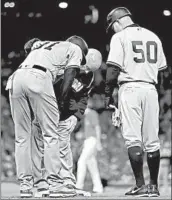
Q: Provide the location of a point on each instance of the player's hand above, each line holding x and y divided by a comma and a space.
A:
116, 117
107, 102
73, 105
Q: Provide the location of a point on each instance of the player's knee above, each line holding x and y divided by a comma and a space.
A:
152, 147
136, 153
130, 144
152, 155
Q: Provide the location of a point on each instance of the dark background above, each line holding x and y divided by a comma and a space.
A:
57, 24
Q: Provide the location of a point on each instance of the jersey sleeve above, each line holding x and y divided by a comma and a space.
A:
116, 53
75, 57
162, 63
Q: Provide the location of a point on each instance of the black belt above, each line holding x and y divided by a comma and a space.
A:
40, 68
123, 82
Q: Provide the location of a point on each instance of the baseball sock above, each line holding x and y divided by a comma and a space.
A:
136, 159
153, 160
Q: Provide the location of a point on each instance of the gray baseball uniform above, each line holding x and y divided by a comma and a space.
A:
139, 54
32, 97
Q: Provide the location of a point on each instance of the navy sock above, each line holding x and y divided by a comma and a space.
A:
153, 160
136, 159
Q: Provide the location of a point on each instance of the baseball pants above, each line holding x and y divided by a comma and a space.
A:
64, 131
32, 96
139, 108
88, 160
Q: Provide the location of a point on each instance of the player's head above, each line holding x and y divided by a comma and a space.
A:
81, 43
118, 18
93, 59
29, 44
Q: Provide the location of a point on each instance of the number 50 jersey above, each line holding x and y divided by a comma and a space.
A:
139, 54
55, 56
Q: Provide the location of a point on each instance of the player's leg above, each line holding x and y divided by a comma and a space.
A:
65, 129
150, 131
21, 115
43, 102
131, 113
39, 173
94, 170
87, 151
37, 151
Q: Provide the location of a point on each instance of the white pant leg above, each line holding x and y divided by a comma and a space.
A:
65, 129
131, 114
150, 127
95, 175
87, 152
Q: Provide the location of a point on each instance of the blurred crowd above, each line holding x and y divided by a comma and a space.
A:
113, 160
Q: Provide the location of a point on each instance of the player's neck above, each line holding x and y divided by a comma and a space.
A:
126, 21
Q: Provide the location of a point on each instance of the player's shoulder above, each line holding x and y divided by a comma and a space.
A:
151, 34
116, 38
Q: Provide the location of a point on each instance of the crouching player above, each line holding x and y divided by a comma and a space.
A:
71, 113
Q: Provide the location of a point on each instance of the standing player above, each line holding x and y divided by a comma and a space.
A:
92, 143
136, 55
32, 96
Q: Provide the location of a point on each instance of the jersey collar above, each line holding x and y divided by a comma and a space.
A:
132, 25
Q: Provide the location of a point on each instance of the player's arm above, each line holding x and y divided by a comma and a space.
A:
114, 66
111, 81
82, 105
162, 62
71, 71
162, 66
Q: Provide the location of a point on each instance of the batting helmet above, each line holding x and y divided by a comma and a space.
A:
93, 59
82, 44
116, 14
29, 44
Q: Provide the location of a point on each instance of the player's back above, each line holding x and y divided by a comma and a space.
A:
143, 54
52, 55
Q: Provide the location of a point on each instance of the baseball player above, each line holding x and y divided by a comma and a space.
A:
136, 55
32, 97
71, 114
92, 144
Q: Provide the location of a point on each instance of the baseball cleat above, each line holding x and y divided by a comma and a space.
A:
26, 193
138, 191
42, 193
153, 191
63, 191
81, 192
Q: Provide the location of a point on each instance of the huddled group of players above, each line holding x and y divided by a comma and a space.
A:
48, 96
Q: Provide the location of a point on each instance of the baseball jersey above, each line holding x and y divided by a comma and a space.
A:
91, 120
55, 56
139, 54
79, 95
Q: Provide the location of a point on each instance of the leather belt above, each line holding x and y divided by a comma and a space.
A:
40, 68
123, 82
